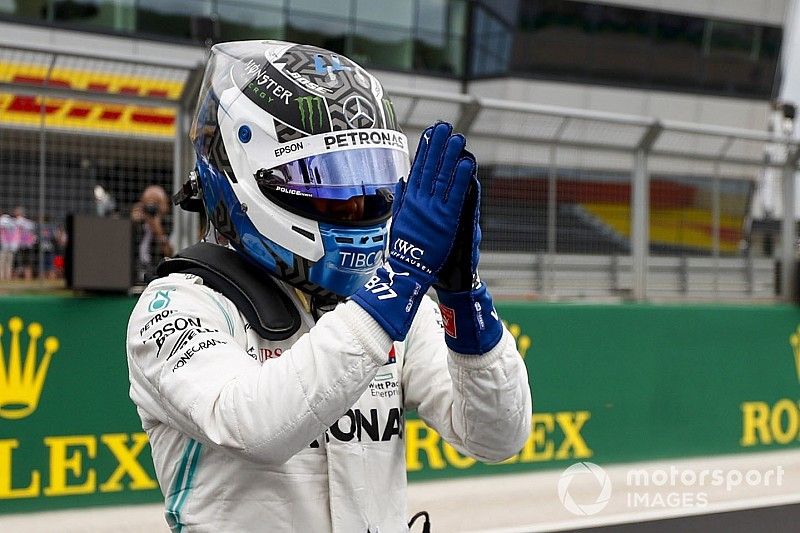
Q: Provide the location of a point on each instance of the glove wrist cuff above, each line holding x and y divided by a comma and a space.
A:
458, 283
392, 299
471, 324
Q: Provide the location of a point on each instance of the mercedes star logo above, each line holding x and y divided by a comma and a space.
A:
358, 112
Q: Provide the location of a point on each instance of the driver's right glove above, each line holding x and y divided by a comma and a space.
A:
425, 217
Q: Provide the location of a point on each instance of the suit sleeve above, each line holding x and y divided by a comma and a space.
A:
479, 404
195, 375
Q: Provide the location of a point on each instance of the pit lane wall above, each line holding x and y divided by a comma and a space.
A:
611, 383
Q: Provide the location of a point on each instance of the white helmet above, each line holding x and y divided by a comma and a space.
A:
298, 152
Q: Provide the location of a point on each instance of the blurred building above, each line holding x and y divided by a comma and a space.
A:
703, 61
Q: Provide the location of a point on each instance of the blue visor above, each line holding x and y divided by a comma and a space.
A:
351, 187
337, 175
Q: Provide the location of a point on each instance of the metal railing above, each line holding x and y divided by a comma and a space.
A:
552, 148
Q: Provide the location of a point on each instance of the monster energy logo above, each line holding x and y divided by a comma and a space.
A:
391, 119
306, 105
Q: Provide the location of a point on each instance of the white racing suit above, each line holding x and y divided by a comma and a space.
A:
305, 434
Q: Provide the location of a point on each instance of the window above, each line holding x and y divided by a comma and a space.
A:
571, 40
432, 16
323, 31
491, 40
30, 9
437, 53
382, 46
440, 36
117, 15
582, 41
382, 35
396, 13
677, 50
554, 38
251, 19
621, 43
172, 18
731, 39
338, 9
729, 63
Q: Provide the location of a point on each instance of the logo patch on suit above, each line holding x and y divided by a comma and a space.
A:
449, 320
392, 357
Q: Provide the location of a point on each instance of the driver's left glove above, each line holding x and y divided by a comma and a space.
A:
471, 323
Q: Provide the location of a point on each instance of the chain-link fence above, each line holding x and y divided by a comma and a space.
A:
575, 203
79, 135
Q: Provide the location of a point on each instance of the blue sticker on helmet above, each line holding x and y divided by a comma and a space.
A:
245, 134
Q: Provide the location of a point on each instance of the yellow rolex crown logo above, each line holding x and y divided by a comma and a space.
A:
21, 382
794, 340
524, 342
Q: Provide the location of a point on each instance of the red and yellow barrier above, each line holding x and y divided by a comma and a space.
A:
25, 109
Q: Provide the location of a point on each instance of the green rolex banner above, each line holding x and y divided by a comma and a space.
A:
611, 382
69, 434
621, 383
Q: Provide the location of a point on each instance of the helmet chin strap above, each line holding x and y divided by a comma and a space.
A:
321, 305
188, 196
304, 299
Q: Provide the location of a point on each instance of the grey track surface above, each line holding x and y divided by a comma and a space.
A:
781, 518
529, 502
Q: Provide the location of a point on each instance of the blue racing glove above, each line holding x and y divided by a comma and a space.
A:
422, 231
471, 324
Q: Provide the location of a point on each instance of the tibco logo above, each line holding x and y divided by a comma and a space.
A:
360, 259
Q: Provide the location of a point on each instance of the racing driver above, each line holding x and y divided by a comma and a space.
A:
273, 364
